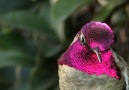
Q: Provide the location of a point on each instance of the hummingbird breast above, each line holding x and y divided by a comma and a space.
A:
72, 79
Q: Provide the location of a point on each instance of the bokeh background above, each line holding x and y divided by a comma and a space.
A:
34, 33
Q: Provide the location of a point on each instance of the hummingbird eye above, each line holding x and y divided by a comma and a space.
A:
82, 39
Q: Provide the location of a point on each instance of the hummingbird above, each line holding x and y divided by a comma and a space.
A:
89, 63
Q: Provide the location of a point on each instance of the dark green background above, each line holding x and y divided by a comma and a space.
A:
34, 33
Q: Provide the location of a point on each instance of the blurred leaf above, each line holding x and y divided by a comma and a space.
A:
63, 8
113, 2
107, 9
14, 57
102, 2
15, 50
102, 15
42, 80
5, 29
119, 17
6, 77
44, 11
11, 40
21, 78
123, 36
51, 50
28, 21
127, 9
15, 41
9, 5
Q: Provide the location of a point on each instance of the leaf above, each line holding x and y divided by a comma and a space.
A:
107, 9
51, 49
9, 5
5, 29
102, 15
119, 17
14, 57
15, 50
28, 21
63, 8
42, 80
16, 41
44, 11
6, 77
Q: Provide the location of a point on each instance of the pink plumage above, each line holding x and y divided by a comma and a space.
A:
84, 59
90, 54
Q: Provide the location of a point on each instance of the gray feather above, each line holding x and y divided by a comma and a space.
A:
72, 79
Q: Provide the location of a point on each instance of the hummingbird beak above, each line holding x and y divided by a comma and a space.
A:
97, 52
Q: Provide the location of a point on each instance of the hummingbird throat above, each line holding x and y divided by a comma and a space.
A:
89, 63
85, 60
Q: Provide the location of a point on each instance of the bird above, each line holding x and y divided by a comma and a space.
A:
89, 63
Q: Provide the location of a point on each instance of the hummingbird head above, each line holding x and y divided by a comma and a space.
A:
98, 36
90, 51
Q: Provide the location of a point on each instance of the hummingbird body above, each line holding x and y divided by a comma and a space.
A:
72, 79
90, 64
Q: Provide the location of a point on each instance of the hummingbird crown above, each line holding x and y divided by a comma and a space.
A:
98, 35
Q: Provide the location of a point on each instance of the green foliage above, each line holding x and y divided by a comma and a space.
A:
67, 8
34, 33
7, 6
13, 57
27, 21
107, 9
